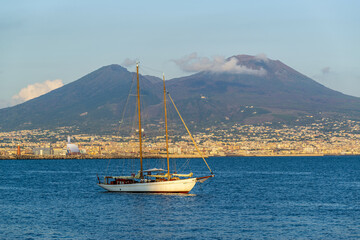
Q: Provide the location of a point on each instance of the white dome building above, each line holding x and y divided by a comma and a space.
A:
72, 149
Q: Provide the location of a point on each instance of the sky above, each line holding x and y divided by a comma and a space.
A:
45, 44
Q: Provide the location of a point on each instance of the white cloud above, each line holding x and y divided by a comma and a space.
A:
129, 62
262, 56
194, 63
36, 90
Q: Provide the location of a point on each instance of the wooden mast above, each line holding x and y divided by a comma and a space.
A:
140, 130
166, 132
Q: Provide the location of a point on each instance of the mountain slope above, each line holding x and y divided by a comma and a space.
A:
267, 91
281, 90
94, 100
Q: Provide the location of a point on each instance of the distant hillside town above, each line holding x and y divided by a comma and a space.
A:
318, 138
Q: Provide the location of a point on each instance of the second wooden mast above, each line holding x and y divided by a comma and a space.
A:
140, 129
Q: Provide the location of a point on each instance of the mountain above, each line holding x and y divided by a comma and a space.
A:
95, 101
280, 93
262, 90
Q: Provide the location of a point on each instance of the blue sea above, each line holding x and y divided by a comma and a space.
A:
249, 198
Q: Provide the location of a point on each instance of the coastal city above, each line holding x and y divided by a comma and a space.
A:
321, 137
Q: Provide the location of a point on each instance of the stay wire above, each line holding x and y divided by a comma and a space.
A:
126, 103
149, 68
122, 118
156, 84
190, 134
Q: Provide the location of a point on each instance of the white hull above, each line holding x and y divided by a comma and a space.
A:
176, 186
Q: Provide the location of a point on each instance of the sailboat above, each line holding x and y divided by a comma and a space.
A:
155, 180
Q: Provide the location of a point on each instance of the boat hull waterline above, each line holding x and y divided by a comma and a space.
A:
176, 186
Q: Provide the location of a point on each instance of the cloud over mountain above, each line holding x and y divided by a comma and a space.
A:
36, 90
217, 64
129, 62
262, 56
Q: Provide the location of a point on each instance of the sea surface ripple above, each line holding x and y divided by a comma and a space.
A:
249, 198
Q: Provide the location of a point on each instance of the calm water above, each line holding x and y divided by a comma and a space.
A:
250, 198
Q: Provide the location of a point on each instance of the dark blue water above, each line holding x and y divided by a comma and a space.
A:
250, 198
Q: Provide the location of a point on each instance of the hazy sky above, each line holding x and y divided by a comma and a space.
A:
45, 43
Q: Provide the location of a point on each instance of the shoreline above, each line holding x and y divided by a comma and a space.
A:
85, 157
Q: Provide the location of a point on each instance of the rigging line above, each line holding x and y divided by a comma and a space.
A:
174, 164
171, 122
126, 103
134, 121
123, 113
157, 84
186, 163
189, 133
149, 68
107, 167
123, 166
148, 163
132, 165
144, 116
134, 116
